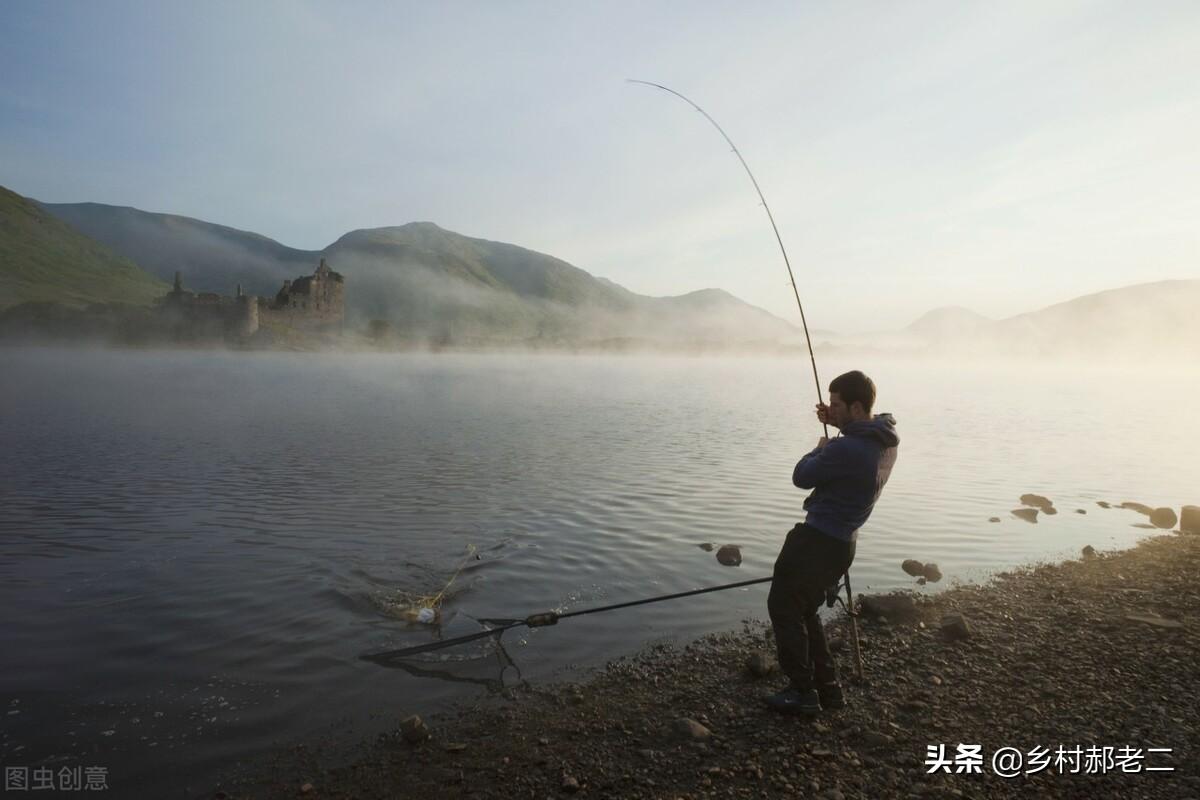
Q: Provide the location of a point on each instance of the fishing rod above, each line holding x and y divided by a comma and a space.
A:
787, 262
803, 321
541, 620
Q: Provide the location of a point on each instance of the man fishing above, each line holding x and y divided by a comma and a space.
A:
846, 476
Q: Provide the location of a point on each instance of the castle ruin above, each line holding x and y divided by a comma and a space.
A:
312, 303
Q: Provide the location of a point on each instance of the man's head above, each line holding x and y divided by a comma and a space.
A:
851, 397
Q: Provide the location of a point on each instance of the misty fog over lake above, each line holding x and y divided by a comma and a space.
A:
196, 547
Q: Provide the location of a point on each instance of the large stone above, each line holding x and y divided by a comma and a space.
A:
1141, 508
896, 607
1037, 501
413, 729
1089, 551
1189, 519
932, 573
729, 555
686, 728
1163, 518
760, 664
955, 627
913, 567
1027, 514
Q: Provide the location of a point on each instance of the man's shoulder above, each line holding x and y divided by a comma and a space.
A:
858, 449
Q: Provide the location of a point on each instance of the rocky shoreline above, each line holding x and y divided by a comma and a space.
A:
1099, 654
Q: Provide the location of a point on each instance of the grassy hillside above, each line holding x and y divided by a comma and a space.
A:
212, 258
479, 262
43, 259
429, 280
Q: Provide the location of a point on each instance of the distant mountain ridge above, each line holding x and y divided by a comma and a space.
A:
948, 321
213, 258
427, 282
1148, 320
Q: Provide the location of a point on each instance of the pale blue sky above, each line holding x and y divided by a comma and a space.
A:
1001, 156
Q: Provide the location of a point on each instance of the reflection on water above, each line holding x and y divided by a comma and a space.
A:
194, 547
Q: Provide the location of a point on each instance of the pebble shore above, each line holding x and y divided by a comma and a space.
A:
1100, 652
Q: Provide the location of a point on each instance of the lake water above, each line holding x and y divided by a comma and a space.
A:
196, 547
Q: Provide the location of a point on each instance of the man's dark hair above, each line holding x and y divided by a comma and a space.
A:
854, 386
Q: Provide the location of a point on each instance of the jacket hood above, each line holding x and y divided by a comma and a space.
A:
881, 428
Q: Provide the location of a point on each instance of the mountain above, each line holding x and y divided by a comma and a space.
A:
1145, 322
212, 258
948, 322
431, 283
43, 259
1148, 320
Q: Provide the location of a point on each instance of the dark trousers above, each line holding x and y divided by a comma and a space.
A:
809, 563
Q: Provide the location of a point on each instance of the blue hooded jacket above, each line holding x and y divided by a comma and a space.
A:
847, 475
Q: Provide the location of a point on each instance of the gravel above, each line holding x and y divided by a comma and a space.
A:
1069, 654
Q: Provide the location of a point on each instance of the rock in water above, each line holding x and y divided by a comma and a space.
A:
1141, 508
1081, 511
1189, 519
1089, 552
1037, 501
1163, 518
1027, 514
955, 627
707, 547
932, 573
993, 519
1103, 504
729, 555
913, 567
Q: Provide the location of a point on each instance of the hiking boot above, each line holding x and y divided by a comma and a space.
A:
831, 696
795, 701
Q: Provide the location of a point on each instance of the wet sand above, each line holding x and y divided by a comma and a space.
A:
1101, 652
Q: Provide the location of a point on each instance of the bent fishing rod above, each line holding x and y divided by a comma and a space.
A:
803, 320
551, 617
787, 262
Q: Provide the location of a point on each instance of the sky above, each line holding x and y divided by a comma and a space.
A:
997, 156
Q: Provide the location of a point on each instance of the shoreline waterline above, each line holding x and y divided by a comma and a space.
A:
1095, 653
